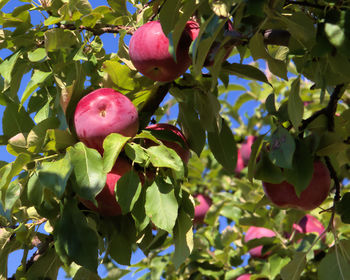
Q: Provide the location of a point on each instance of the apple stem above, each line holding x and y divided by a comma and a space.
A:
152, 104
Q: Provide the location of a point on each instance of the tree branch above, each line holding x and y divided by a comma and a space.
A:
99, 29
152, 104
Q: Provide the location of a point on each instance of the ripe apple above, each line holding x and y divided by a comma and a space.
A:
106, 201
240, 163
256, 233
101, 112
246, 149
283, 194
244, 277
309, 224
183, 152
193, 29
202, 208
149, 52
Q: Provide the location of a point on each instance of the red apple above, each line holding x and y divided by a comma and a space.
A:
309, 224
106, 201
246, 149
240, 163
244, 277
256, 233
102, 112
283, 194
149, 52
183, 152
202, 208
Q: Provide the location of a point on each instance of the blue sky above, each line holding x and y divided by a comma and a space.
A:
111, 46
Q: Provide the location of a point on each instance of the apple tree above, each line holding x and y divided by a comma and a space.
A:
210, 193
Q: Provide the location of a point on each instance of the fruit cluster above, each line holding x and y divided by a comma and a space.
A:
105, 111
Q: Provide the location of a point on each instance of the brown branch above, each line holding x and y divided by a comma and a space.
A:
335, 178
152, 104
99, 29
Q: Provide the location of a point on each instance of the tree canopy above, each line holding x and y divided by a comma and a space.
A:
290, 60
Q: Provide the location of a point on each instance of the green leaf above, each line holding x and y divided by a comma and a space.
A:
12, 169
46, 266
136, 153
7, 245
276, 263
74, 238
84, 274
270, 104
336, 264
57, 140
192, 128
161, 204
282, 148
37, 78
223, 146
38, 55
6, 67
12, 194
162, 156
57, 38
266, 171
169, 14
112, 146
335, 33
300, 174
36, 136
183, 238
88, 171
120, 74
119, 7
295, 267
16, 120
295, 104
139, 212
253, 156
128, 190
245, 71
123, 237
343, 208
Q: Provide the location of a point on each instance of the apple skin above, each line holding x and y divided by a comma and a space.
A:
183, 152
101, 112
202, 208
256, 233
148, 50
240, 163
244, 277
246, 149
106, 201
283, 195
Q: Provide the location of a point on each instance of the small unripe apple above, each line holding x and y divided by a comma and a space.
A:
106, 201
102, 112
256, 233
202, 208
182, 151
246, 149
149, 52
284, 195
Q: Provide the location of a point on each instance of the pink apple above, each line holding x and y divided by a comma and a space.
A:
244, 277
106, 201
256, 233
284, 195
182, 151
202, 208
149, 52
240, 163
102, 112
246, 149
309, 224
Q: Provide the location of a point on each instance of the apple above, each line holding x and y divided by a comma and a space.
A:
193, 29
284, 195
309, 224
246, 149
106, 201
256, 233
244, 277
201, 209
240, 163
182, 151
149, 52
101, 112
